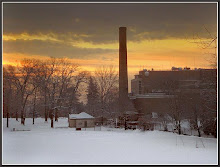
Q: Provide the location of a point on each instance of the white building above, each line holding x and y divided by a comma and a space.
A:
81, 120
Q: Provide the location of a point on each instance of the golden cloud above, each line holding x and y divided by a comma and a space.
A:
28, 37
60, 38
157, 54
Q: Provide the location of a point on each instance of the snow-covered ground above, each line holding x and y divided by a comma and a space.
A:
40, 144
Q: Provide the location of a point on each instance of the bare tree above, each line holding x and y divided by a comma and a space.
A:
194, 110
176, 110
34, 104
77, 84
107, 80
209, 79
22, 77
112, 103
175, 102
92, 96
164, 119
62, 86
48, 68
35, 83
7, 93
209, 45
55, 82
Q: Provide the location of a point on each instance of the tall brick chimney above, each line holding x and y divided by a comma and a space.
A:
123, 74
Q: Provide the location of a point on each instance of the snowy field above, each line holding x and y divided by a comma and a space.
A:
40, 144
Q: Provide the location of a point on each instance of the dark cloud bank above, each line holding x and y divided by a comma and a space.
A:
103, 20
101, 23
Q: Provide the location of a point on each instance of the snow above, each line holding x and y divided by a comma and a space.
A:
131, 112
63, 145
80, 116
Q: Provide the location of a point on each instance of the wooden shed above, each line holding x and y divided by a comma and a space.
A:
81, 120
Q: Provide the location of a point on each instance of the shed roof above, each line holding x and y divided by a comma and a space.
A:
131, 112
81, 115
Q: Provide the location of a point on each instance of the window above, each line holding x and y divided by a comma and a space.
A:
139, 87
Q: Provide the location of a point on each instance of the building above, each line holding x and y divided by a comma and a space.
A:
152, 90
157, 81
177, 90
81, 120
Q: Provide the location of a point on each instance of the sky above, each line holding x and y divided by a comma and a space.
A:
159, 35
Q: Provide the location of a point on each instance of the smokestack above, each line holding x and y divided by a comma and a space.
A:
123, 74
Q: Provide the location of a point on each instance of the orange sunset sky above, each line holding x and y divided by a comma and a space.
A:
159, 35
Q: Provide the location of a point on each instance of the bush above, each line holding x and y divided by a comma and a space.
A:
210, 127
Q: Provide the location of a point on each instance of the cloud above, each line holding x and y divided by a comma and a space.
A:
77, 20
75, 40
44, 36
27, 37
86, 32
101, 21
54, 49
68, 47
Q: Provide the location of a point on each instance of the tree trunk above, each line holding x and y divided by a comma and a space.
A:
56, 115
102, 116
33, 116
52, 122
22, 121
24, 116
51, 117
34, 106
179, 128
22, 111
7, 117
199, 133
45, 114
16, 115
45, 103
165, 128
125, 123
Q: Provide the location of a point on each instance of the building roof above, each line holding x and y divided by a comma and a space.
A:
131, 112
81, 115
150, 95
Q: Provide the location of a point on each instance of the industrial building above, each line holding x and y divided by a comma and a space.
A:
151, 90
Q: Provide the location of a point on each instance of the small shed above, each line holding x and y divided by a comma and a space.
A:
81, 120
131, 115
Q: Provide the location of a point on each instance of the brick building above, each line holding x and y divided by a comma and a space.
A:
150, 90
